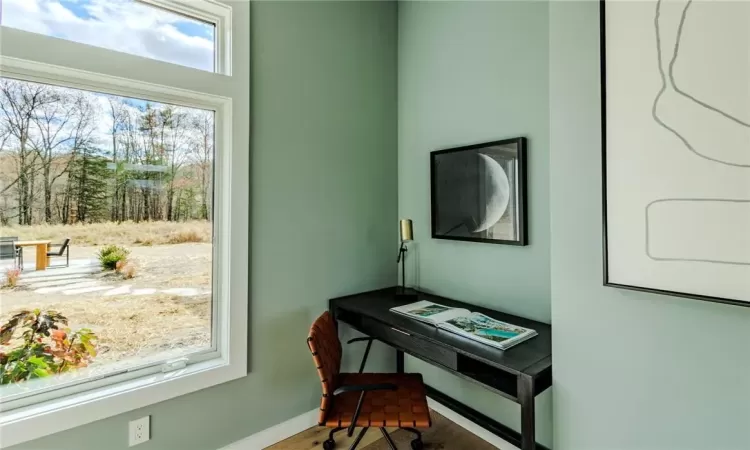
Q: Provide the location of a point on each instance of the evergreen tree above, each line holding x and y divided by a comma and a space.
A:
89, 180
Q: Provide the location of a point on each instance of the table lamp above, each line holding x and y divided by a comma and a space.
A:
406, 233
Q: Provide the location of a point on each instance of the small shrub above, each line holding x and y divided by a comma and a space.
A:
129, 271
45, 346
126, 268
184, 236
11, 277
110, 255
146, 242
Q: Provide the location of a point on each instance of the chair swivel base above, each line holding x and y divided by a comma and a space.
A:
416, 444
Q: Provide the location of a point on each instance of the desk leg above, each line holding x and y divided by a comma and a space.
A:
526, 398
399, 361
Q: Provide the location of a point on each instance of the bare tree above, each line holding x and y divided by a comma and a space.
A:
53, 133
5, 137
19, 104
176, 155
117, 114
53, 162
203, 149
131, 144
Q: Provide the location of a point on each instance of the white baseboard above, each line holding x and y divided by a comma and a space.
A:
296, 425
470, 426
276, 433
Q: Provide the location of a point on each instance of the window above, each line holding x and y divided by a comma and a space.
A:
129, 182
138, 27
123, 216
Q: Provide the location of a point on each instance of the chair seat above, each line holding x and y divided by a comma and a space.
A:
405, 407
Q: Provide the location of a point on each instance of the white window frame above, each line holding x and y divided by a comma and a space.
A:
101, 398
218, 14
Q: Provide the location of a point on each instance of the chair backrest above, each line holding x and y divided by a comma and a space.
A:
63, 246
7, 247
325, 346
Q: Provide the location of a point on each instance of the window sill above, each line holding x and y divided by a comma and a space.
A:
32, 422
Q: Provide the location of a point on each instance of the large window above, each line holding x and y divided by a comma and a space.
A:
123, 216
126, 185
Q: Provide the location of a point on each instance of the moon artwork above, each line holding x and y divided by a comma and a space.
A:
478, 193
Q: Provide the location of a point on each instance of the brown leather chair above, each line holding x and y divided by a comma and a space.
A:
364, 399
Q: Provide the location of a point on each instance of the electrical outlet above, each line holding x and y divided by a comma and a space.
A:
139, 431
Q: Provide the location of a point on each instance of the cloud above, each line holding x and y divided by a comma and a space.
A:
122, 25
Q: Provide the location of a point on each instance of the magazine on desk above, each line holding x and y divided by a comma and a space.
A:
463, 322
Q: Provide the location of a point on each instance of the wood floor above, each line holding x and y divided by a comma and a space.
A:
444, 435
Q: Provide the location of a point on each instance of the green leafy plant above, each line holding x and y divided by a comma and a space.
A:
110, 255
37, 344
11, 276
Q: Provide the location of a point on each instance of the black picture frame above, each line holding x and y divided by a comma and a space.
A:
605, 246
521, 188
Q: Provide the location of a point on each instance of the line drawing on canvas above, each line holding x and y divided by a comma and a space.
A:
664, 86
683, 18
667, 79
695, 201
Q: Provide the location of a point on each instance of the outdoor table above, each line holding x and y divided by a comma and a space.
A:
41, 252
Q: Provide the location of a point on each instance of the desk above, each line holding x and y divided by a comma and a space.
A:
42, 261
519, 373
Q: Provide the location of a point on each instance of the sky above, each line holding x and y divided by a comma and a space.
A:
123, 25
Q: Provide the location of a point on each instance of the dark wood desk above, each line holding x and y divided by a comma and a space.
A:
519, 373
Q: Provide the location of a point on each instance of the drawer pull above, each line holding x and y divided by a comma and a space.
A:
399, 331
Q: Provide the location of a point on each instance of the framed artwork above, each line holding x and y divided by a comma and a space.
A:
479, 192
676, 147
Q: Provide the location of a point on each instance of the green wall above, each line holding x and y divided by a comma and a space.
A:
632, 371
471, 72
628, 373
323, 179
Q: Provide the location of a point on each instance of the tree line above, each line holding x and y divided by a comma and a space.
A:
71, 156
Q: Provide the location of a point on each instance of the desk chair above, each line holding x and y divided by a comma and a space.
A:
364, 399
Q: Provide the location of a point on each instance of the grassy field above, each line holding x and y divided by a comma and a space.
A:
125, 233
134, 327
129, 326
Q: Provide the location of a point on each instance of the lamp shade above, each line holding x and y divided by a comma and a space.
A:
406, 230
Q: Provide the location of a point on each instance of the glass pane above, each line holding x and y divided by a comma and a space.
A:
123, 25
105, 220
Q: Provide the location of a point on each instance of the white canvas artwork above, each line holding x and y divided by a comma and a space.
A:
676, 109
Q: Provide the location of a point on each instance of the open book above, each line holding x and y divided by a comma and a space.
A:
469, 324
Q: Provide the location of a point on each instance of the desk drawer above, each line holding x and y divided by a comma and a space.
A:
411, 344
